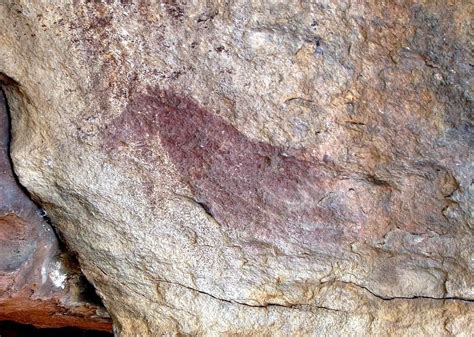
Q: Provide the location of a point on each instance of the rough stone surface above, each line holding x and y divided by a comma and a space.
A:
253, 167
39, 283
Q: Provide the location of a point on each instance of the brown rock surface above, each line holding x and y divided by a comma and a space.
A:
254, 167
38, 284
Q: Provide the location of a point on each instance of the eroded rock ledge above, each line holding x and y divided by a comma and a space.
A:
253, 168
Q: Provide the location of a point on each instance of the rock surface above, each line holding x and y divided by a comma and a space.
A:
253, 168
39, 282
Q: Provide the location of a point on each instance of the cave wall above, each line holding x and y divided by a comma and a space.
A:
253, 168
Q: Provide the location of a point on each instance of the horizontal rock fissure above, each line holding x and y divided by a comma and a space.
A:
297, 305
392, 298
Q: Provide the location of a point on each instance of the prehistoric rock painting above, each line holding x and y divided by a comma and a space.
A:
253, 167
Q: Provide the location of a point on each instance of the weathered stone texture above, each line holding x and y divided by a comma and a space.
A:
254, 167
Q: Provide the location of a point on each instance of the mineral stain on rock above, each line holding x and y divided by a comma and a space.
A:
251, 187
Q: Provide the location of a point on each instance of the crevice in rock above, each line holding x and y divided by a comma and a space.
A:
77, 292
202, 206
205, 208
392, 298
313, 305
269, 305
4, 81
7, 81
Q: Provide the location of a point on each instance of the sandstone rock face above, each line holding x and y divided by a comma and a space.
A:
253, 167
39, 283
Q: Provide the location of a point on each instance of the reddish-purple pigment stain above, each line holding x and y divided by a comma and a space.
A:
251, 187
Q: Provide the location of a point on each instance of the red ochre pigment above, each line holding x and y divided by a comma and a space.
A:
248, 186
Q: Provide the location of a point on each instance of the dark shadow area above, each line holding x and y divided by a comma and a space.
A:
24, 226
11, 329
